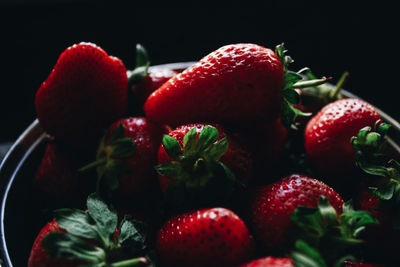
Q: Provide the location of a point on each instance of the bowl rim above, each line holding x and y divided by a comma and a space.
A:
33, 135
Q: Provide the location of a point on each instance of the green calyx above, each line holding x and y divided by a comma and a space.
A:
323, 236
196, 167
141, 69
109, 165
369, 146
90, 237
293, 80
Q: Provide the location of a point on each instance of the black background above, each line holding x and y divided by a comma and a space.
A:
329, 38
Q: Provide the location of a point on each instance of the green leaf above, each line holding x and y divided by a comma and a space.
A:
109, 174
291, 96
207, 137
106, 220
371, 168
306, 256
381, 127
217, 150
67, 246
307, 72
230, 176
310, 222
169, 169
172, 147
281, 53
348, 206
189, 141
136, 75
132, 230
288, 115
291, 78
355, 222
76, 222
142, 57
384, 192
117, 133
328, 213
123, 148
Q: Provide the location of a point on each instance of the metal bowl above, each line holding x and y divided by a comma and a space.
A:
20, 220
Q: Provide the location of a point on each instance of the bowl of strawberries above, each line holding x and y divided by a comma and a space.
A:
232, 160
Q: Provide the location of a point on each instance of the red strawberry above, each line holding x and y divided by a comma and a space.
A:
381, 239
272, 205
150, 83
84, 93
269, 262
236, 83
267, 145
40, 258
199, 162
57, 178
328, 134
126, 158
208, 237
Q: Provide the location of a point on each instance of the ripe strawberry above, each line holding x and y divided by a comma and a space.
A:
202, 164
208, 237
269, 262
150, 83
271, 206
93, 237
144, 80
236, 83
267, 145
328, 133
126, 158
57, 178
84, 93
381, 239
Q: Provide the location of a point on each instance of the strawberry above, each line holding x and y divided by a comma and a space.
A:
237, 83
126, 158
272, 205
267, 145
327, 135
202, 164
84, 93
234, 83
381, 239
207, 237
94, 237
151, 82
57, 178
269, 262
144, 80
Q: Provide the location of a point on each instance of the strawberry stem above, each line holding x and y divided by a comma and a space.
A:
131, 262
334, 94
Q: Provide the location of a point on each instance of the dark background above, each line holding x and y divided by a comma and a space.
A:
329, 38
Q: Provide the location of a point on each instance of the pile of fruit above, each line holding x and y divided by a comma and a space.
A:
234, 161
